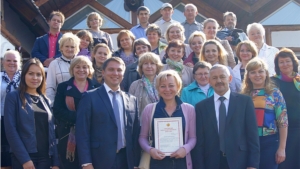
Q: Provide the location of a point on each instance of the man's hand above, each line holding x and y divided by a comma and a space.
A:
55, 167
251, 168
47, 62
189, 64
180, 153
229, 38
156, 154
28, 165
90, 166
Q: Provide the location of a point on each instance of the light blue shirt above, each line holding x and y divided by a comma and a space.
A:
139, 31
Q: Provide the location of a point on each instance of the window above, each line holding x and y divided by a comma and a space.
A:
78, 20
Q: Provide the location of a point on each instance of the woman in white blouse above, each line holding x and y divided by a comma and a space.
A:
256, 33
58, 70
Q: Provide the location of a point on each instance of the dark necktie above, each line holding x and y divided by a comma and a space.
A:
117, 116
222, 121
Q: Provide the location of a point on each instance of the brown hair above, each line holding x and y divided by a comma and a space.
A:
202, 65
175, 44
153, 28
114, 59
57, 13
250, 45
124, 32
23, 86
85, 33
286, 53
100, 45
141, 41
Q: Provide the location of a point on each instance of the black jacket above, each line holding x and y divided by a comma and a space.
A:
60, 111
131, 74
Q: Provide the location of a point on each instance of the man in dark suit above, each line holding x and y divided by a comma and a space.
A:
107, 126
46, 47
227, 135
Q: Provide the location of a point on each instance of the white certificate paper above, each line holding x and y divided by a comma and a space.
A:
168, 134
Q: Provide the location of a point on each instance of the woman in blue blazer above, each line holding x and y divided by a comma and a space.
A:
28, 121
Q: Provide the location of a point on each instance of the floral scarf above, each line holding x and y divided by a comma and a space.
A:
177, 66
15, 81
295, 79
150, 89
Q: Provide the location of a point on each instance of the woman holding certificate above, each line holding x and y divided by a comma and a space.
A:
171, 125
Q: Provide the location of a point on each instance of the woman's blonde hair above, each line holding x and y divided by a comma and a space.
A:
69, 36
90, 16
178, 25
167, 73
197, 34
208, 20
253, 64
149, 57
81, 59
221, 50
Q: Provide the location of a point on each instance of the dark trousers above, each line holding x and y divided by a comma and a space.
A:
268, 148
38, 162
168, 163
292, 150
223, 161
5, 155
120, 160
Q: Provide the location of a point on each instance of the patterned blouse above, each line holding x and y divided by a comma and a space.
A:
269, 109
128, 59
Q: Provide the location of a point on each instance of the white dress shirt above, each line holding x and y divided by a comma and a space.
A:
163, 25
267, 54
120, 104
218, 102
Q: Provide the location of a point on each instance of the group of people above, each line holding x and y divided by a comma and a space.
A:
77, 103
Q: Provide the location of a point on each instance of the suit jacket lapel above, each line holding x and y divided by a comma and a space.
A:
212, 112
231, 107
106, 100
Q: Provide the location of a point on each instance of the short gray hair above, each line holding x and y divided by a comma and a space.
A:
258, 26
219, 66
16, 54
192, 5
